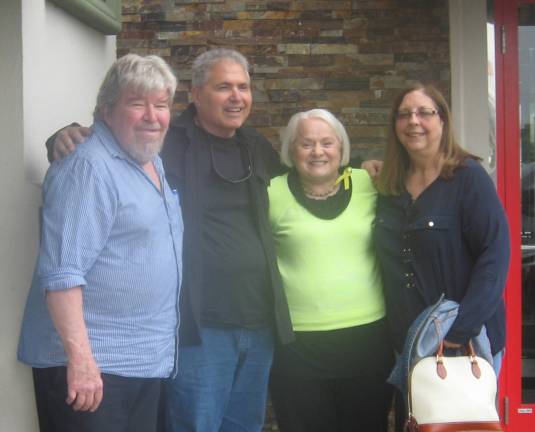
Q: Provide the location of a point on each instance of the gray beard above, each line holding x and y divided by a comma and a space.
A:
145, 152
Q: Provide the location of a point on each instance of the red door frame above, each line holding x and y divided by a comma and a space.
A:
508, 160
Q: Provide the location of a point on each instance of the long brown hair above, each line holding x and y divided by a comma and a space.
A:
391, 181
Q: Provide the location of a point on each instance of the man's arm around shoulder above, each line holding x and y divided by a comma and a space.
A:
65, 141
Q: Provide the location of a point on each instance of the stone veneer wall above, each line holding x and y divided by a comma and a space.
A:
349, 57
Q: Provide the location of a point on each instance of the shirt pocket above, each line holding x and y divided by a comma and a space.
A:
386, 222
430, 235
432, 224
387, 233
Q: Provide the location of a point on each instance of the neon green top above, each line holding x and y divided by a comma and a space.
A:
328, 267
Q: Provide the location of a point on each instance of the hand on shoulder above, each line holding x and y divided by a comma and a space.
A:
67, 139
373, 167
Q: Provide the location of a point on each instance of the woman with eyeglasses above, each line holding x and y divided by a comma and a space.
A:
440, 227
333, 377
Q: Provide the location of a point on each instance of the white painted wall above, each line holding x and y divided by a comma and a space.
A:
18, 221
64, 64
50, 69
469, 76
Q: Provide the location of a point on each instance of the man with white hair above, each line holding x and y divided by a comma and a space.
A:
101, 321
232, 303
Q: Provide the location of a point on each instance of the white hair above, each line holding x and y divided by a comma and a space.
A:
143, 74
204, 63
289, 135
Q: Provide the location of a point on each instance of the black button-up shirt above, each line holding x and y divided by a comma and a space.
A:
452, 239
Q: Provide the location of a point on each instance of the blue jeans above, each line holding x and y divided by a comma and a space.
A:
497, 360
221, 385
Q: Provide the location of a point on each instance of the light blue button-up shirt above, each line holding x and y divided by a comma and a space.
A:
107, 228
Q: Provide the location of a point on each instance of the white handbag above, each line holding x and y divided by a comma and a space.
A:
452, 394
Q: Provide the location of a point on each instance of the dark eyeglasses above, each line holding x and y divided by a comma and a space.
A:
248, 167
421, 113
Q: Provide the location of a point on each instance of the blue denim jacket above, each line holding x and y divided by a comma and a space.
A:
423, 338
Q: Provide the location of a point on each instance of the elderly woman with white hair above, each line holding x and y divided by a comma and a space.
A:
333, 377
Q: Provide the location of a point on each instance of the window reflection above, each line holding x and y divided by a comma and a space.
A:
526, 55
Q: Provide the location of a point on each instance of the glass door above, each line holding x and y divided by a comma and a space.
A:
515, 109
526, 70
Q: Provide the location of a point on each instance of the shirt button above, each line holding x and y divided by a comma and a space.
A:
431, 224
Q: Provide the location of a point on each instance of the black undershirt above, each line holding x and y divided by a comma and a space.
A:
236, 275
328, 208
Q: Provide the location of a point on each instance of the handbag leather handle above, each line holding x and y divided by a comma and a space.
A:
441, 368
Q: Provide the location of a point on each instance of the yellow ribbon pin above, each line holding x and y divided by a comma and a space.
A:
345, 177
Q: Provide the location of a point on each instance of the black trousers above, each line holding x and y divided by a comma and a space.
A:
128, 405
331, 404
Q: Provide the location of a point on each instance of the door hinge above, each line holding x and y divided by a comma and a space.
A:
503, 39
